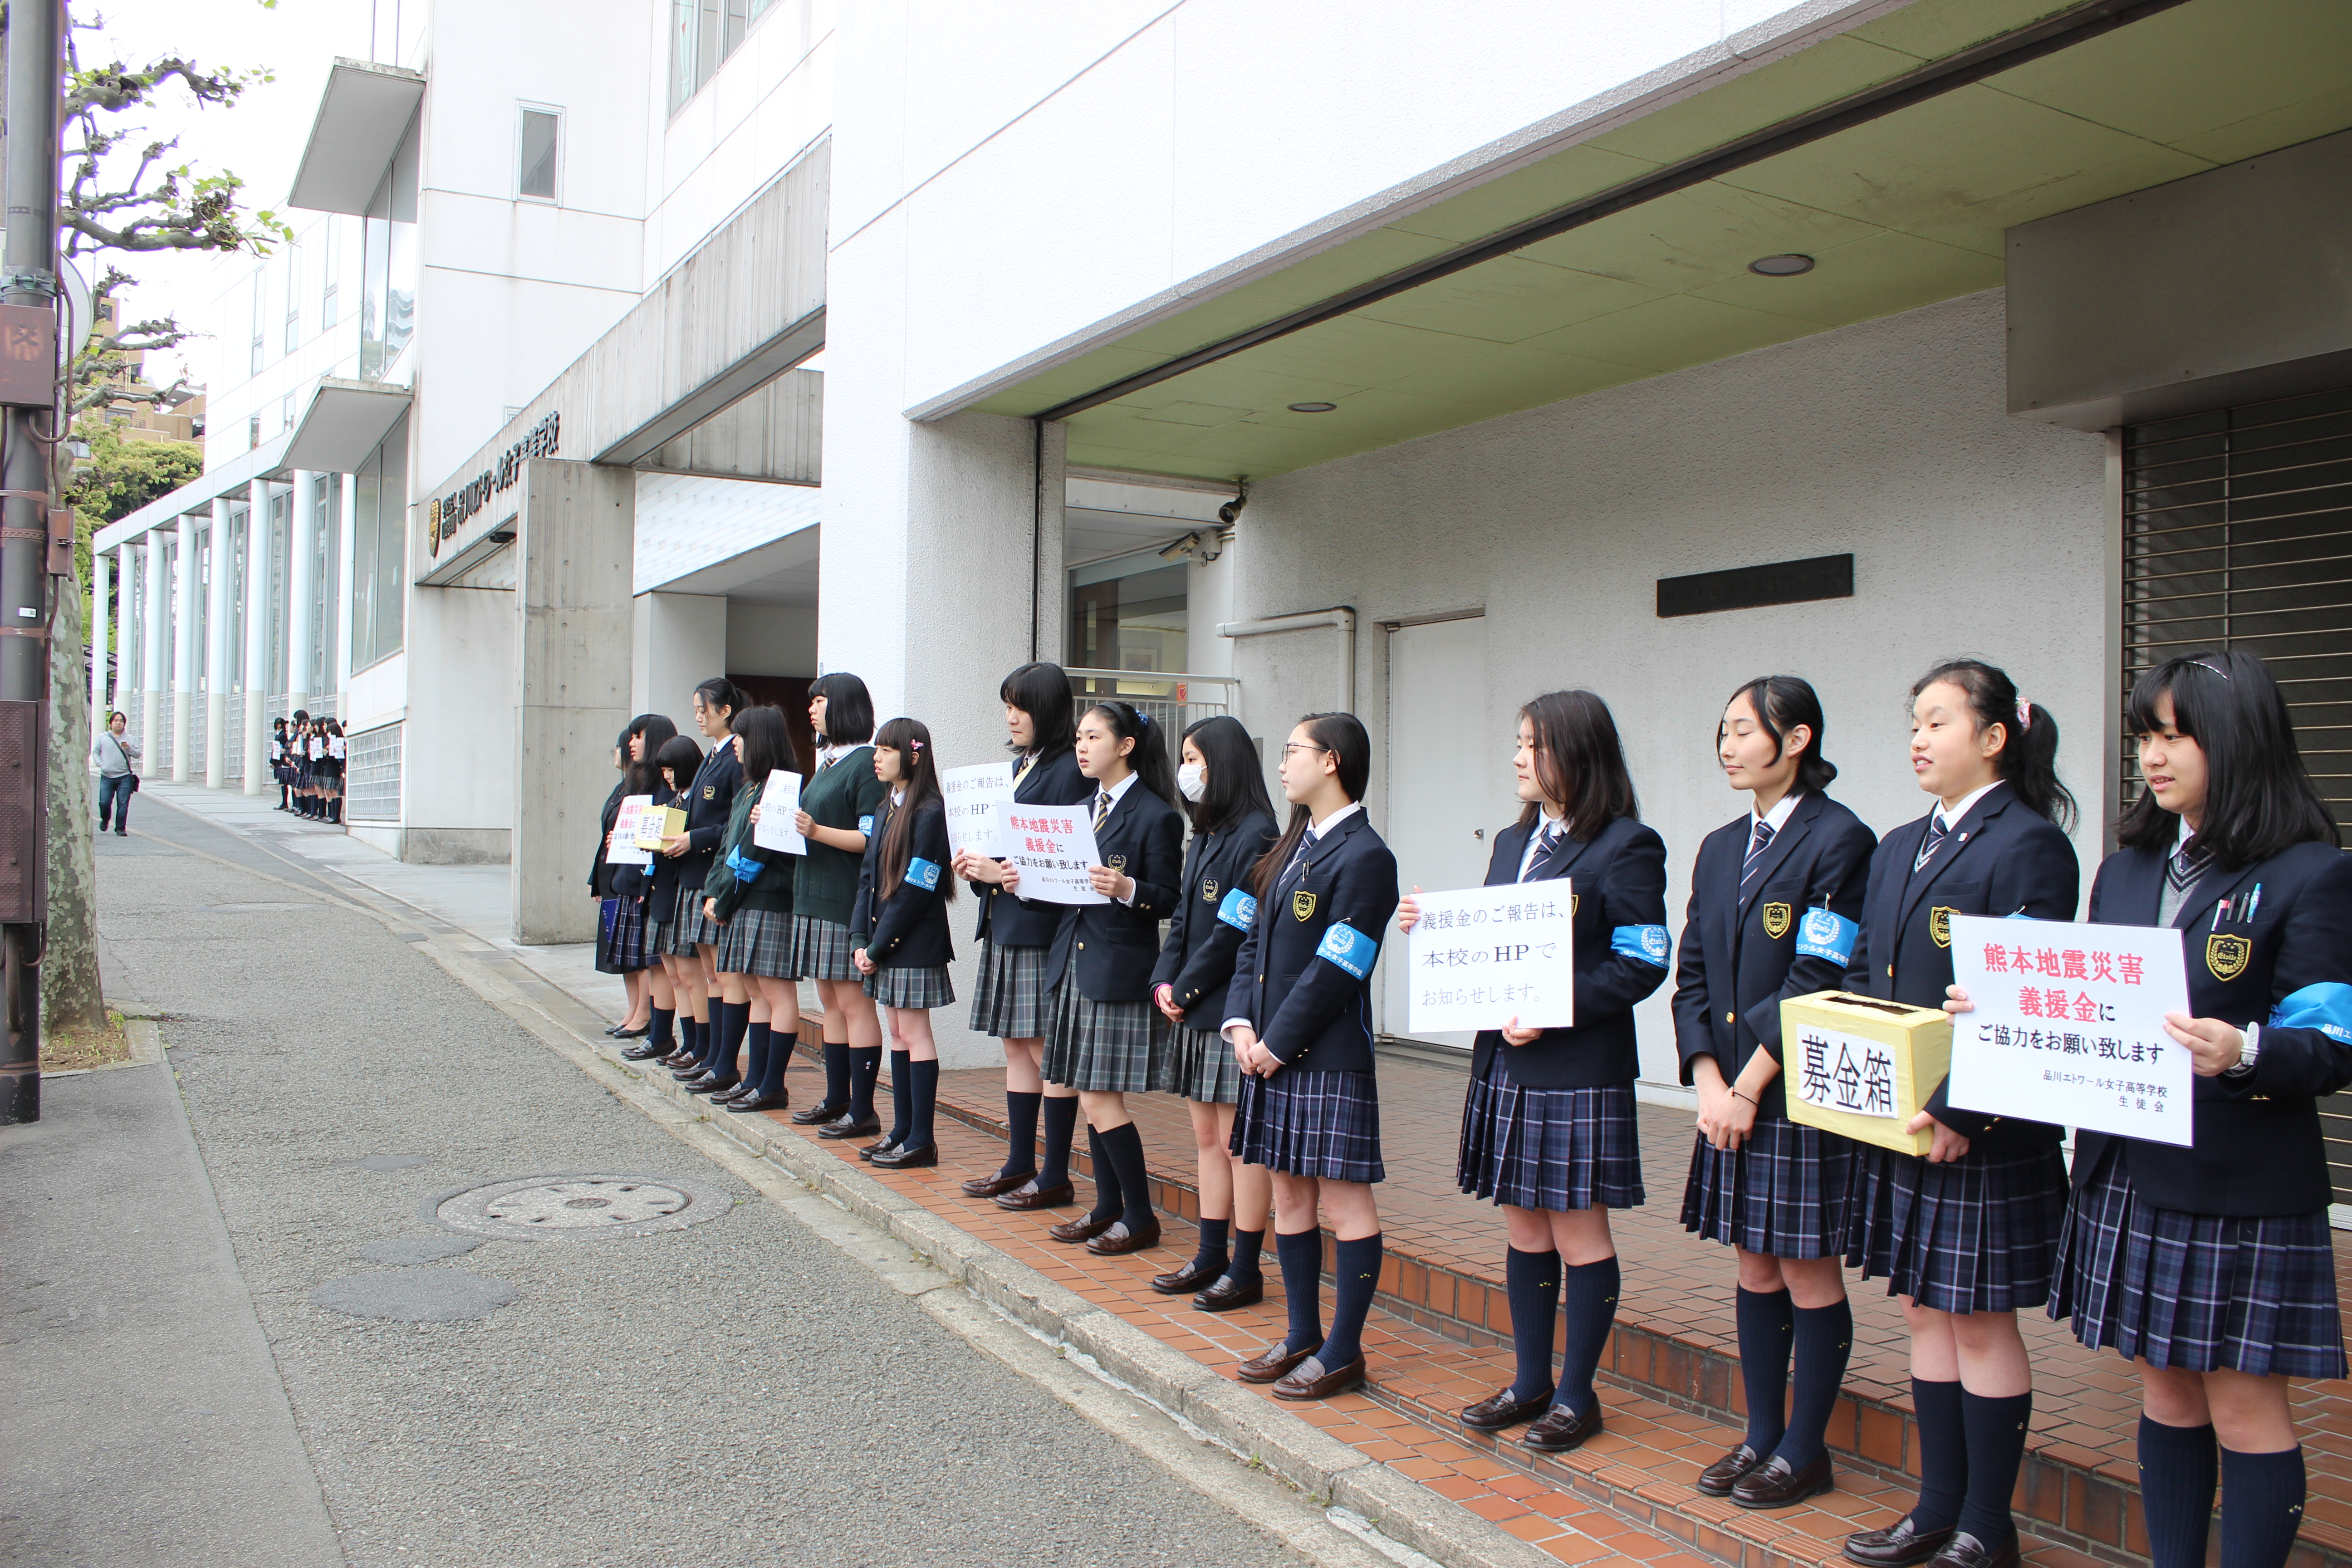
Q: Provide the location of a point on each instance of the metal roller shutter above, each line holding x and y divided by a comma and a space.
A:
2238, 533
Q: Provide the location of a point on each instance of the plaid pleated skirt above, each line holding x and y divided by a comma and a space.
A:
821, 950
1782, 1194
1320, 1124
758, 941
1979, 1234
2198, 1292
912, 985
621, 937
1103, 1046
1199, 1064
1009, 999
685, 926
1556, 1149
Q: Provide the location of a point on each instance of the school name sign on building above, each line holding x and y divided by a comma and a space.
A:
2068, 1025
1484, 956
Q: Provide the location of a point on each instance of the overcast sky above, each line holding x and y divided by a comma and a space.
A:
261, 138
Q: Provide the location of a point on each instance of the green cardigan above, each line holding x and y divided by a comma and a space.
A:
824, 887
773, 889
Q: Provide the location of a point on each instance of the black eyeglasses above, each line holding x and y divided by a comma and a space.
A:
1290, 746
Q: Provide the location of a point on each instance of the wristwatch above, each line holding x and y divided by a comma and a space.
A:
2244, 1065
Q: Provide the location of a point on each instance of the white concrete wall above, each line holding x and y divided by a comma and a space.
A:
680, 641
771, 639
1973, 532
457, 760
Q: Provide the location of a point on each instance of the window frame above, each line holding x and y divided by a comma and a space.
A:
524, 109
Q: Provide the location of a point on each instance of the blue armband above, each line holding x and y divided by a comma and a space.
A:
2327, 1007
1826, 934
866, 826
1239, 910
745, 869
1649, 943
924, 874
1349, 948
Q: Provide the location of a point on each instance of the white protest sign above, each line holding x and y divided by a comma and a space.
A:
780, 804
1053, 845
623, 849
977, 799
1484, 956
2069, 1026
1841, 1072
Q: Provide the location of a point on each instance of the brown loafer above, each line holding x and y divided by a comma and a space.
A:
1086, 1228
1776, 1483
1189, 1278
990, 1186
1122, 1238
1030, 1195
1229, 1294
1899, 1545
1500, 1409
1965, 1550
1272, 1365
1309, 1381
1719, 1477
1559, 1429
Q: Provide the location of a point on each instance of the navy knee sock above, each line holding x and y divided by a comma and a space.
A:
1355, 1277
1020, 1132
780, 1057
1301, 1256
1247, 1245
2178, 1466
1824, 1340
661, 1033
691, 1028
1123, 1146
923, 1084
1531, 1282
1996, 1432
733, 1020
1588, 1298
1210, 1258
1061, 1118
1767, 1326
901, 1096
2261, 1507
865, 1067
837, 1075
1109, 1204
755, 1052
1943, 1454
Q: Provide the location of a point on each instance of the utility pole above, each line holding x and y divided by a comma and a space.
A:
29, 515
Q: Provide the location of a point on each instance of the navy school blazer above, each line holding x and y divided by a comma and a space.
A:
1618, 882
1005, 918
662, 878
907, 929
1303, 979
1213, 910
1107, 949
1999, 860
2258, 1149
1790, 932
708, 802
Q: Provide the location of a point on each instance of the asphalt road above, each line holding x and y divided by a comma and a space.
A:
734, 1391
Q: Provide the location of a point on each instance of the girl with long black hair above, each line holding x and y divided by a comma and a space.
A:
2212, 1267
632, 935
709, 803
1299, 1018
676, 763
836, 817
1008, 997
1103, 1037
751, 896
1548, 1128
1232, 828
610, 960
1967, 1234
1776, 895
900, 929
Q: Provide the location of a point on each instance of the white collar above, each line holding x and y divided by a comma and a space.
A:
898, 797
1777, 817
1117, 790
1322, 829
1968, 803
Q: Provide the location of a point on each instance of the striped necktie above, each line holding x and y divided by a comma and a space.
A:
1935, 841
1554, 840
1305, 845
2183, 869
1757, 844
1102, 807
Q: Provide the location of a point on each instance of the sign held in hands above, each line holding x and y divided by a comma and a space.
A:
977, 800
1483, 956
780, 806
624, 849
1053, 845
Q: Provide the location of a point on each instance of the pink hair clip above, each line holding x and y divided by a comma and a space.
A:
2025, 715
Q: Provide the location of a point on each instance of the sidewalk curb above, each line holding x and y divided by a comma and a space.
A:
1330, 1472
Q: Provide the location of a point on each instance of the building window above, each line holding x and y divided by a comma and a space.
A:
379, 550
536, 163
286, 412
331, 264
260, 300
293, 295
253, 431
371, 775
1128, 613
388, 265
702, 33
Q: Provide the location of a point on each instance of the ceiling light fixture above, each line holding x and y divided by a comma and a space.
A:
1781, 266
1313, 407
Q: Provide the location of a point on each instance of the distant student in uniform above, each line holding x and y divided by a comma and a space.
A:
1547, 1125
2213, 1267
709, 803
1776, 896
749, 895
899, 929
632, 941
679, 760
1967, 1234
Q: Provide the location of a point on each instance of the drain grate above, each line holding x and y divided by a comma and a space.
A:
580, 1206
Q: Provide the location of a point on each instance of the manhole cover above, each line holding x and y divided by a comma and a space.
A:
582, 1206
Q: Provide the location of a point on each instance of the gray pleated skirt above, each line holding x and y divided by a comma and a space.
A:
1103, 1046
1199, 1064
821, 950
758, 941
912, 985
1008, 1001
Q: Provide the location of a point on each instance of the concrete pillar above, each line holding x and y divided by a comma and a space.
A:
339, 614
256, 638
101, 628
184, 649
154, 640
301, 591
574, 532
216, 649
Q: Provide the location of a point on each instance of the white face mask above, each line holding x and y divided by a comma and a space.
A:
1192, 781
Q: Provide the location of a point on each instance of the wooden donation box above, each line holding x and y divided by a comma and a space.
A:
1862, 1067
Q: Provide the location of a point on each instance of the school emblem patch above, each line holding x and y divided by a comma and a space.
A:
1573, 898
1776, 920
1939, 924
1209, 890
2226, 956
1117, 862
710, 792
1302, 904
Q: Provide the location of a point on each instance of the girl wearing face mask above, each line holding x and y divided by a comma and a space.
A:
900, 927
2212, 1267
1775, 896
1967, 1234
1232, 828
